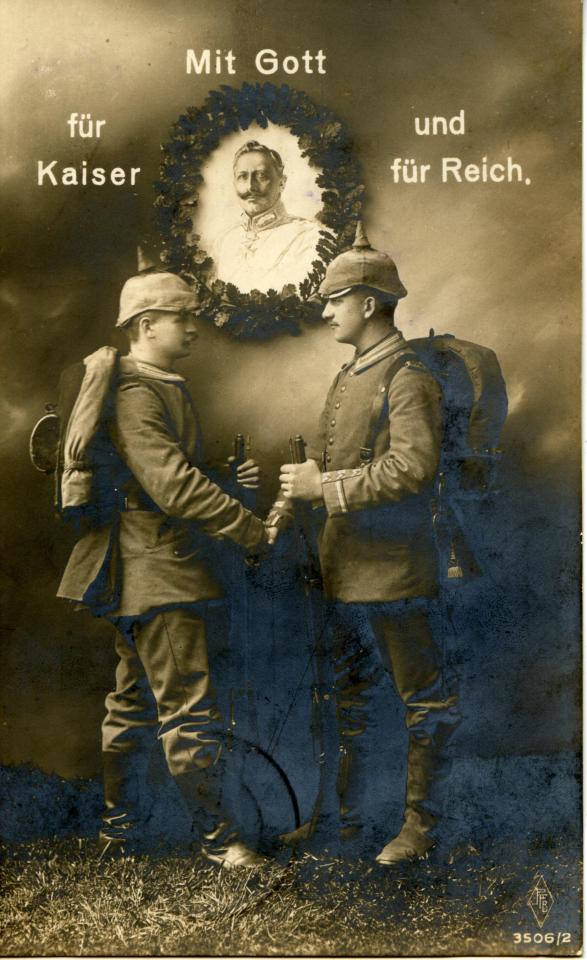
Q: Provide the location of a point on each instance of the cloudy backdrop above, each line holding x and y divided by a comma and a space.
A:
496, 263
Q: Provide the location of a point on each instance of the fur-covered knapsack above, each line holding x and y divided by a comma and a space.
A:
475, 409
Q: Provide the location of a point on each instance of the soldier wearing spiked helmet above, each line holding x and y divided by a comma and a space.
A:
374, 470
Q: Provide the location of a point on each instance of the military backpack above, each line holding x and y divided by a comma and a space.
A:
475, 408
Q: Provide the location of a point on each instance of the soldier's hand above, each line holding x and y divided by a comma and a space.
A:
248, 474
269, 537
301, 481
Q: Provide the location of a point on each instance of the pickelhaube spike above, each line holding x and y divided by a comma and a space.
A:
361, 241
145, 259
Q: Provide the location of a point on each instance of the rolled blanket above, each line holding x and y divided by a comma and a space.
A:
83, 425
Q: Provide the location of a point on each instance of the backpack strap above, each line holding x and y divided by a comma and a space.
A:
380, 406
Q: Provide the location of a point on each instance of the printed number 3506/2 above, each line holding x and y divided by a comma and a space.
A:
557, 938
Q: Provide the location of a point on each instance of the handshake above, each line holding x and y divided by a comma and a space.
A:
298, 481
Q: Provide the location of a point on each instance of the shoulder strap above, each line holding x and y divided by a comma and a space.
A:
380, 406
69, 387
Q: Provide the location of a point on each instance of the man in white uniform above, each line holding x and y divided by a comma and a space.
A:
268, 248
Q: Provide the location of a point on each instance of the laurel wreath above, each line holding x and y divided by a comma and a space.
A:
323, 139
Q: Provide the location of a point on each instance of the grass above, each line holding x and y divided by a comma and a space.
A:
58, 898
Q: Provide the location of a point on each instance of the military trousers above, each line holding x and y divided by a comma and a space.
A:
164, 688
368, 642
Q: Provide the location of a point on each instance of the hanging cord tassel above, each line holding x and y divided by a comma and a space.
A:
455, 570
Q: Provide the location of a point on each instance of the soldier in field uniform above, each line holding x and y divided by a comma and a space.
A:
381, 432
132, 462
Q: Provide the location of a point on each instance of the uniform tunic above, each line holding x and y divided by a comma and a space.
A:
376, 544
148, 466
267, 251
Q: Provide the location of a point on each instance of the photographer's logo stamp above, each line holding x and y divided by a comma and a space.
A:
540, 900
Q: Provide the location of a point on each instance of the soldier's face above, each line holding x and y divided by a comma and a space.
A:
172, 334
257, 183
346, 316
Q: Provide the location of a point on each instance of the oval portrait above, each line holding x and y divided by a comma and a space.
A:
258, 192
258, 209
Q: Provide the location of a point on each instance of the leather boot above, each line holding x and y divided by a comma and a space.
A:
223, 847
123, 779
113, 848
421, 815
299, 835
220, 842
348, 791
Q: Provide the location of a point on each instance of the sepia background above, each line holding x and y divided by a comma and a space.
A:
493, 263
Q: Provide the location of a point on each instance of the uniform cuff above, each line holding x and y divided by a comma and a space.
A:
334, 492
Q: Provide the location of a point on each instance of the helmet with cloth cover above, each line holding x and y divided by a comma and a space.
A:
155, 291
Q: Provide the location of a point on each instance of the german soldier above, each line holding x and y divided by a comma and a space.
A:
145, 561
380, 433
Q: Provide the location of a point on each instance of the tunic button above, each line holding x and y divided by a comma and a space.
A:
382, 389
330, 440
337, 404
342, 389
328, 457
333, 423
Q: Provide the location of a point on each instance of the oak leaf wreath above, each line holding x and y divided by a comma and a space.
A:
323, 139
